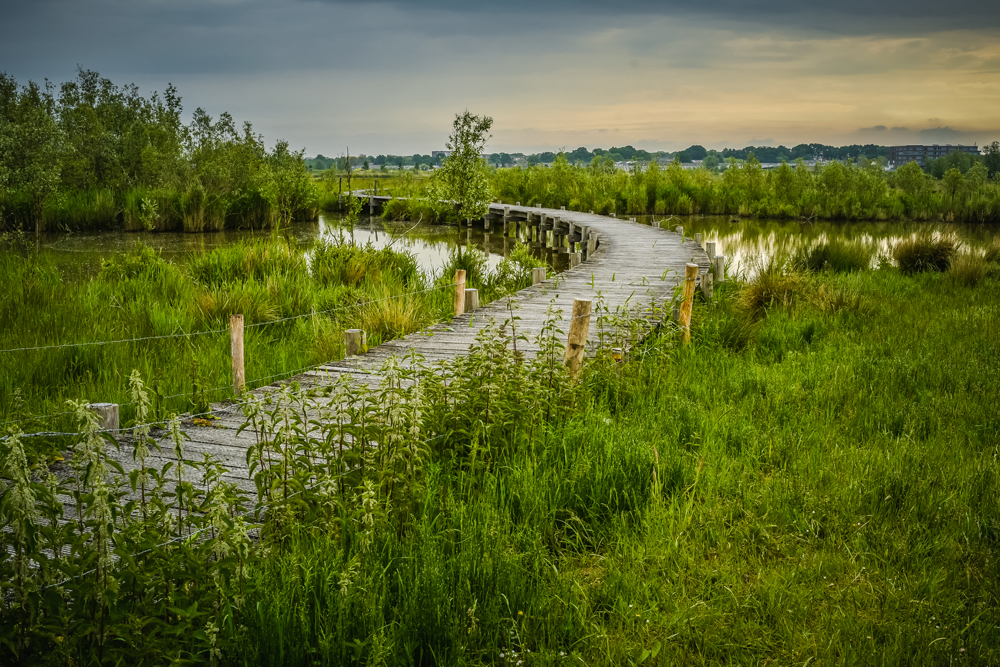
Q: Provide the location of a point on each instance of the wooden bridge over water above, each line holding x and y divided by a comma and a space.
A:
625, 266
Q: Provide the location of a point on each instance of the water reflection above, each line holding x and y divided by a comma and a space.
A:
747, 243
80, 254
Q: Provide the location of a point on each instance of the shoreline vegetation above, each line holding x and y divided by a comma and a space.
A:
92, 155
296, 301
813, 479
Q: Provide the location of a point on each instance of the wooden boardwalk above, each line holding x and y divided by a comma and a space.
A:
632, 266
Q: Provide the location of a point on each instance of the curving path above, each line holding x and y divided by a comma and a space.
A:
633, 266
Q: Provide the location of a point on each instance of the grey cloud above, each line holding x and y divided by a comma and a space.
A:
847, 16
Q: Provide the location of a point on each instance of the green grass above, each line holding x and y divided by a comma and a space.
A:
817, 484
826, 493
139, 294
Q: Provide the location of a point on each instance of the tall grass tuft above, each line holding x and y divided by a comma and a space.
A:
968, 268
925, 252
776, 283
838, 255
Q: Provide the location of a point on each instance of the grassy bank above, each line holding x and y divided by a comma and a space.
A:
813, 480
833, 191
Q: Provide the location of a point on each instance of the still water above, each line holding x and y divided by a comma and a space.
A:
745, 242
748, 243
81, 254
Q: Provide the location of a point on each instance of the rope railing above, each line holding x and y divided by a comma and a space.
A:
215, 331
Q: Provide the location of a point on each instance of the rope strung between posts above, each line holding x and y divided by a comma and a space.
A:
215, 331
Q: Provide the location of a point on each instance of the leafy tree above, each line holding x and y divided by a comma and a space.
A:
991, 158
464, 172
31, 145
954, 183
697, 152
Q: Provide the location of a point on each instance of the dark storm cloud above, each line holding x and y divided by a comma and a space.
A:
846, 16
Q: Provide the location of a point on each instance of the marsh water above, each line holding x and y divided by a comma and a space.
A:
80, 254
745, 242
749, 243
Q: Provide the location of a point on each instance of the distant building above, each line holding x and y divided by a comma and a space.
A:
900, 155
440, 153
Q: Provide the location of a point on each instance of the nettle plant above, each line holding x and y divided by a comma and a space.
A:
157, 564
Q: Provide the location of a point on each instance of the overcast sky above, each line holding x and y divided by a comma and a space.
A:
389, 77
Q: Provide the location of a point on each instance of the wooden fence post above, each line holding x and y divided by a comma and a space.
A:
579, 326
459, 292
710, 249
537, 275
720, 268
236, 344
690, 276
471, 300
706, 286
107, 415
352, 342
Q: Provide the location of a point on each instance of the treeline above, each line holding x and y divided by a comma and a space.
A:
834, 191
696, 152
94, 155
383, 162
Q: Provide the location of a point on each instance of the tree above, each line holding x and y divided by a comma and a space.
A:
31, 145
954, 181
463, 173
991, 158
697, 152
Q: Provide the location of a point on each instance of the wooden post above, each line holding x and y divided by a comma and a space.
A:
574, 259
236, 344
340, 191
459, 292
697, 238
720, 269
371, 205
352, 342
471, 300
107, 415
579, 326
517, 203
706, 286
690, 276
680, 230
537, 275
562, 208
710, 249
